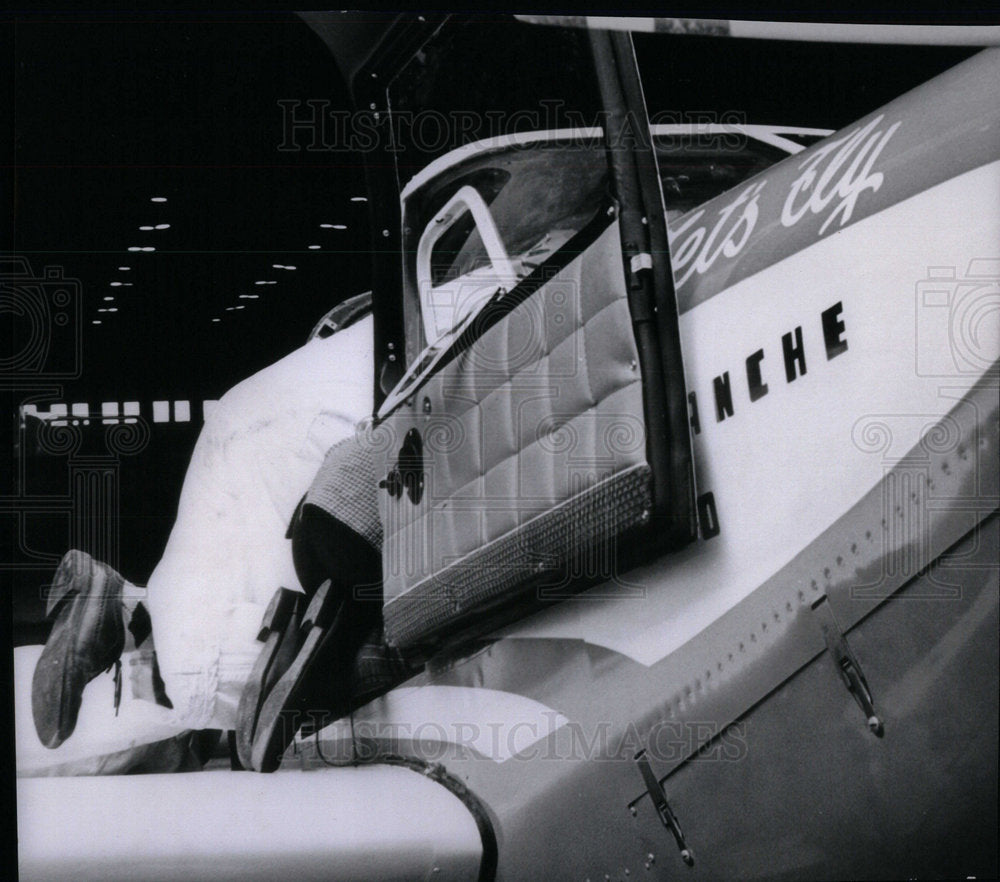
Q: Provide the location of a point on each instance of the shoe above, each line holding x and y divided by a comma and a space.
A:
314, 681
281, 634
87, 637
378, 668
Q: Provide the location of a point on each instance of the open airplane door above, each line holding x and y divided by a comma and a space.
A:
539, 435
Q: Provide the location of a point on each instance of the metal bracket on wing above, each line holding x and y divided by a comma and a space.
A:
847, 663
659, 798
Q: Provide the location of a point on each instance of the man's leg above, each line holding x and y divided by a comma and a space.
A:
97, 617
336, 542
227, 552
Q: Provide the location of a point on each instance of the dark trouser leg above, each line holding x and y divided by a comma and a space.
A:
318, 549
319, 542
303, 676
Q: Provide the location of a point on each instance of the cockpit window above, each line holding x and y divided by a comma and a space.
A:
510, 116
460, 250
535, 198
501, 83
697, 167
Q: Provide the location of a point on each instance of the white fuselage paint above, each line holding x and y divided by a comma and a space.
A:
785, 467
782, 468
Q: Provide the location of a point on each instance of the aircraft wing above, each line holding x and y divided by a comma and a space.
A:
366, 823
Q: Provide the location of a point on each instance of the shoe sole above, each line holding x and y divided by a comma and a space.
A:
279, 629
66, 601
280, 715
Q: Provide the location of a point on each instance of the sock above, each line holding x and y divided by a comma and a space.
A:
139, 653
138, 625
145, 682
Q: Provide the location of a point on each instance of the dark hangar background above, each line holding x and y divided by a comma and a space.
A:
111, 112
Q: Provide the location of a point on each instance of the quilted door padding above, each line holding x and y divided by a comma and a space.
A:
531, 449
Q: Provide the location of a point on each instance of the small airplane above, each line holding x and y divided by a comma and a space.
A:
688, 462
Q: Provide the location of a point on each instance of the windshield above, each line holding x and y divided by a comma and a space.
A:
696, 167
499, 159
